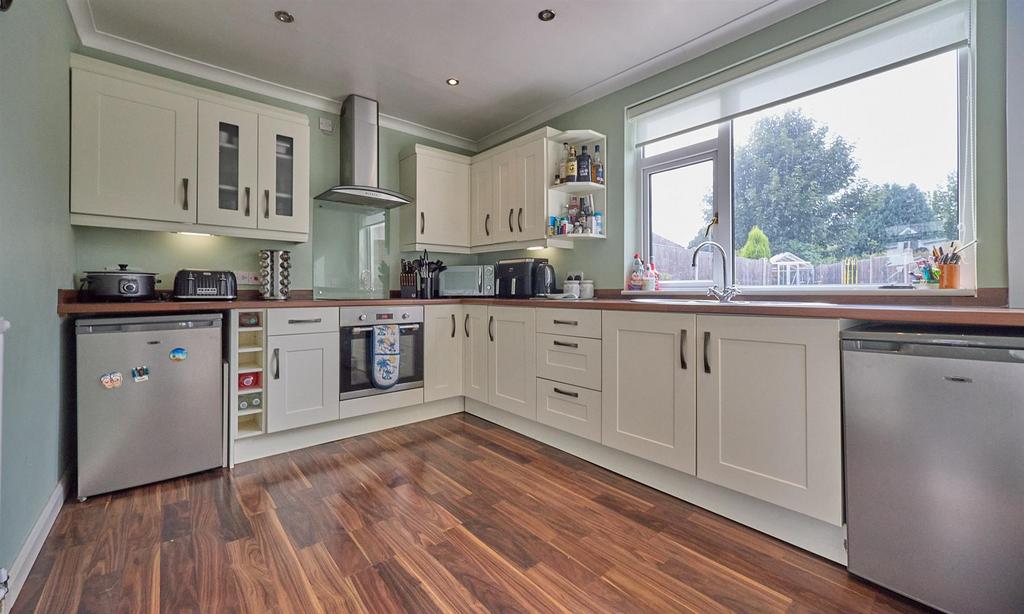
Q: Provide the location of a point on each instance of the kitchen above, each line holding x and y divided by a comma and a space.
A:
356, 363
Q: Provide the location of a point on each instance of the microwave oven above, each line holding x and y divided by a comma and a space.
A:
467, 280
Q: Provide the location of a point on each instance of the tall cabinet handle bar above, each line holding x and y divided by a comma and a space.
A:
247, 201
266, 212
707, 343
682, 349
184, 204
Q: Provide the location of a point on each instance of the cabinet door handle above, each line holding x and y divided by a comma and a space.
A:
487, 225
707, 343
453, 326
423, 222
565, 344
490, 328
682, 349
520, 219
277, 363
574, 395
184, 204
567, 322
510, 213
247, 201
465, 325
266, 212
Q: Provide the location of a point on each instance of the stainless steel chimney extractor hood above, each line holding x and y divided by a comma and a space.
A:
359, 165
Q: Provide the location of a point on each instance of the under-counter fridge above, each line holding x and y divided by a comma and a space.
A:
150, 402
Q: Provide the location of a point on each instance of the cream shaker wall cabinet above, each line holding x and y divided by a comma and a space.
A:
439, 184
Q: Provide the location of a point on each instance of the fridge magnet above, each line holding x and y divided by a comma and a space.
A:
112, 380
178, 354
140, 374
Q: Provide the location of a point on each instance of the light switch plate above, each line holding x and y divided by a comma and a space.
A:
247, 278
326, 125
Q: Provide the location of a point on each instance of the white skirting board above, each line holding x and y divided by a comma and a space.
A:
819, 537
262, 446
33, 544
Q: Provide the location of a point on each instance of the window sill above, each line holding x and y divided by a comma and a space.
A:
813, 291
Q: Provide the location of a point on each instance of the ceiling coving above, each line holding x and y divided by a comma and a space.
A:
515, 71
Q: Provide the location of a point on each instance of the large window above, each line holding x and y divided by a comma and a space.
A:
853, 185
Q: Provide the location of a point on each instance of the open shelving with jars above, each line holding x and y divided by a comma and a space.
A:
578, 208
247, 353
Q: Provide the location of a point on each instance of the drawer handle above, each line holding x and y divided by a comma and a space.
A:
565, 344
465, 325
490, 328
682, 349
707, 342
307, 321
277, 363
184, 204
574, 395
453, 326
247, 201
567, 322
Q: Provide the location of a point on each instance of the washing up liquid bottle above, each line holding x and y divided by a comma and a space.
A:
636, 275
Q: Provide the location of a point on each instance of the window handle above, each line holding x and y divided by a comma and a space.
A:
247, 201
574, 395
465, 325
453, 326
707, 343
184, 204
682, 349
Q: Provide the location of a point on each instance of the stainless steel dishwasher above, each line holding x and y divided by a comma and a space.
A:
934, 447
149, 399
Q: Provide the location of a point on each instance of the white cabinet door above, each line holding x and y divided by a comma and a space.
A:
506, 196
283, 176
442, 360
226, 182
512, 360
532, 177
133, 150
302, 380
475, 350
483, 218
769, 411
649, 386
442, 201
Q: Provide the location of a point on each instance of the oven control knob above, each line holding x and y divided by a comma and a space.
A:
405, 316
362, 317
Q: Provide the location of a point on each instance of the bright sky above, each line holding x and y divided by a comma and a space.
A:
902, 124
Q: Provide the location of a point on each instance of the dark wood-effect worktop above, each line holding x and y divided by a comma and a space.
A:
69, 305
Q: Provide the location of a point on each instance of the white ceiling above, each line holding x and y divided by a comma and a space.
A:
516, 71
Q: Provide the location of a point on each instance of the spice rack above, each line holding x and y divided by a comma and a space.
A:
247, 354
560, 195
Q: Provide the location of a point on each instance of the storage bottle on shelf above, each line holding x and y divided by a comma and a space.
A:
597, 166
570, 165
583, 165
562, 171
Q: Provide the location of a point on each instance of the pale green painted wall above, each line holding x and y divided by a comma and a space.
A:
165, 253
37, 257
605, 261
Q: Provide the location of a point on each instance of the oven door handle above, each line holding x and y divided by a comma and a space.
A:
366, 329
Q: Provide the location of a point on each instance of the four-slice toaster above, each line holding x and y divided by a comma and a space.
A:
192, 284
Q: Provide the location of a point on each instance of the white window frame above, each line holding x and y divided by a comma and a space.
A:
721, 151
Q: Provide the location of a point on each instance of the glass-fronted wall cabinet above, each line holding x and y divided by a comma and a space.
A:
228, 144
283, 157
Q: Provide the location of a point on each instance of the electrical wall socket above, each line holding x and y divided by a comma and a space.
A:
247, 278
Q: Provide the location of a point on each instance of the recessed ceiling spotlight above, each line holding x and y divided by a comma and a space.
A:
284, 16
452, 81
546, 15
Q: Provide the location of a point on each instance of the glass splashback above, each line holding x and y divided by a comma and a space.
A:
350, 252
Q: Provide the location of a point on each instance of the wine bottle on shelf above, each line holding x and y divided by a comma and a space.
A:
583, 165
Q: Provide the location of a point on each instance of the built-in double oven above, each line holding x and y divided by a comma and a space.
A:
357, 324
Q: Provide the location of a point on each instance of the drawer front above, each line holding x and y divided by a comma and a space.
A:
575, 322
573, 360
302, 320
569, 408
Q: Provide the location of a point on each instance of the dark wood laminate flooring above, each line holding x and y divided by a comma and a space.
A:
450, 515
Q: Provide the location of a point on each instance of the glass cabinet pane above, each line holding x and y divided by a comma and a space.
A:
227, 193
285, 155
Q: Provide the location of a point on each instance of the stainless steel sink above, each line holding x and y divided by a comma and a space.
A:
680, 301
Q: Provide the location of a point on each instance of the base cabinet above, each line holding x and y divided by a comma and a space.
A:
569, 408
649, 392
769, 421
302, 380
512, 360
443, 348
475, 348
